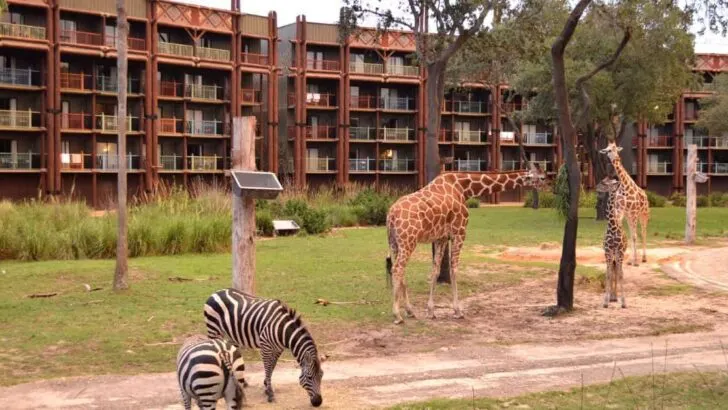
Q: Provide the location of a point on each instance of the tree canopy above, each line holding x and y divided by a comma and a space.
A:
714, 109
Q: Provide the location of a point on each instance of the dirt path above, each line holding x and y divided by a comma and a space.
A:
365, 383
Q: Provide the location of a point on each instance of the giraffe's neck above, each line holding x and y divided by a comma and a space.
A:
622, 173
474, 185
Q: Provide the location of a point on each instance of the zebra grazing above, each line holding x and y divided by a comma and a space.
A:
268, 325
208, 370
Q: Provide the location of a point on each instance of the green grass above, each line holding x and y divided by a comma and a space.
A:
681, 390
79, 332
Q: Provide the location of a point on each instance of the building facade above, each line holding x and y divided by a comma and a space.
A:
191, 69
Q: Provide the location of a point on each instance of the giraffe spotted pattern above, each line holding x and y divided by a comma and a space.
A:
615, 243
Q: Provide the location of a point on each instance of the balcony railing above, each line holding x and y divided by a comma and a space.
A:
106, 122
659, 141
362, 164
110, 84
19, 119
366, 68
251, 96
182, 50
217, 54
397, 134
203, 92
720, 168
538, 138
469, 165
78, 161
19, 160
19, 76
362, 133
508, 137
171, 125
700, 167
365, 102
465, 107
110, 162
320, 100
700, 141
404, 70
469, 137
322, 65
253, 58
544, 165
171, 162
510, 165
659, 168
720, 142
320, 132
205, 127
320, 164
76, 81
22, 31
171, 89
397, 103
76, 121
397, 165
134, 43
82, 37
206, 163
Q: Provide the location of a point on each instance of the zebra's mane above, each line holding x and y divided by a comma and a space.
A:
296, 317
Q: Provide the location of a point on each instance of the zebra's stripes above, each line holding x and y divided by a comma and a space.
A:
268, 325
208, 370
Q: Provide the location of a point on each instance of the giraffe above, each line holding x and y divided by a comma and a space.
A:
437, 214
615, 243
636, 207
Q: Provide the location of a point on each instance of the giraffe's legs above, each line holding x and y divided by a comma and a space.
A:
398, 286
457, 246
608, 283
632, 223
643, 225
613, 282
407, 305
440, 247
620, 276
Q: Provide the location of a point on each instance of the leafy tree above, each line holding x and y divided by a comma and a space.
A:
714, 109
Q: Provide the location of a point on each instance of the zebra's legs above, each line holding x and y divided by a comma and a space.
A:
207, 404
186, 400
270, 357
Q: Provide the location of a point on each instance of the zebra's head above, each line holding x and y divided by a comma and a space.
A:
311, 375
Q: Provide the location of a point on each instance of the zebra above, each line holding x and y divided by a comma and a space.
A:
208, 370
268, 325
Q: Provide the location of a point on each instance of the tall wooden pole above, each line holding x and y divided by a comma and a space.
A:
243, 157
122, 32
692, 176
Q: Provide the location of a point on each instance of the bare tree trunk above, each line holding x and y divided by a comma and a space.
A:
121, 272
567, 266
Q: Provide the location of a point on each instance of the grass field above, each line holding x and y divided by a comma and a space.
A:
79, 332
672, 391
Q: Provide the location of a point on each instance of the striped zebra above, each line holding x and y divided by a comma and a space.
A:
268, 325
208, 370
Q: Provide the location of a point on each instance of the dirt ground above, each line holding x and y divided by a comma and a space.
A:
504, 346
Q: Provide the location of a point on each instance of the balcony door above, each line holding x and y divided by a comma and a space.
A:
68, 31
107, 155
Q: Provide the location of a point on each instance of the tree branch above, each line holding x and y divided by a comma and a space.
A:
605, 64
559, 45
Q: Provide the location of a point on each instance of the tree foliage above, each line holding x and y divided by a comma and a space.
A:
714, 109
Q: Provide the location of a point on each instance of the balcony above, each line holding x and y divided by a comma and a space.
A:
216, 54
76, 121
181, 50
110, 162
659, 168
20, 77
204, 92
320, 164
720, 142
363, 102
320, 100
255, 59
469, 165
719, 168
108, 84
366, 68
465, 107
320, 132
469, 137
206, 127
544, 165
538, 138
362, 134
106, 122
700, 141
510, 165
171, 89
171, 126
508, 137
397, 134
137, 44
251, 96
82, 37
700, 167
171, 162
22, 31
322, 65
362, 165
397, 165
403, 70
511, 107
397, 103
19, 160
77, 161
659, 141
206, 163
76, 81
19, 120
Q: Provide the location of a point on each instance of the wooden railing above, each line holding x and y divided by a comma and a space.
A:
106, 122
538, 138
82, 37
362, 133
469, 165
203, 92
659, 168
661, 141
720, 142
252, 96
206, 163
171, 89
20, 160
22, 31
171, 162
366, 102
216, 54
320, 132
700, 141
465, 107
322, 65
176, 49
76, 121
134, 43
397, 134
403, 70
171, 125
397, 165
397, 103
366, 68
205, 127
110, 162
19, 119
253, 58
469, 137
76, 81
19, 76
111, 84
320, 164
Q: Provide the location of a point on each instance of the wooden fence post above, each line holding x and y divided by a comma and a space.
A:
692, 176
243, 159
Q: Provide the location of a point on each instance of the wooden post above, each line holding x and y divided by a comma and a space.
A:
243, 158
692, 176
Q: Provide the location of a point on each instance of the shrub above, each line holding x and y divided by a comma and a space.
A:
295, 207
315, 221
473, 203
264, 223
546, 199
702, 201
655, 200
371, 207
588, 199
718, 199
676, 198
342, 216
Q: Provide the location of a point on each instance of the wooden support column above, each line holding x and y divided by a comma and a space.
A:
272, 90
47, 78
54, 90
693, 177
243, 156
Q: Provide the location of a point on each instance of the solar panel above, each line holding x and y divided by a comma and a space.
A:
256, 184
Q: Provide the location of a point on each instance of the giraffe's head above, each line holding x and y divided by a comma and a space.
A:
608, 185
612, 151
535, 177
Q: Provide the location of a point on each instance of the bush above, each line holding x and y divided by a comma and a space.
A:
676, 198
588, 199
655, 200
702, 201
546, 199
718, 199
315, 222
295, 207
342, 216
473, 203
264, 223
371, 208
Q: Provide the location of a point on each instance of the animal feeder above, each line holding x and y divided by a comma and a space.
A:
285, 226
256, 184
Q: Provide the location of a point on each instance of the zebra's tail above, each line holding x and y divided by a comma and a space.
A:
392, 254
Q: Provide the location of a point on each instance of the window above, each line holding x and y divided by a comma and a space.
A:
164, 37
17, 18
